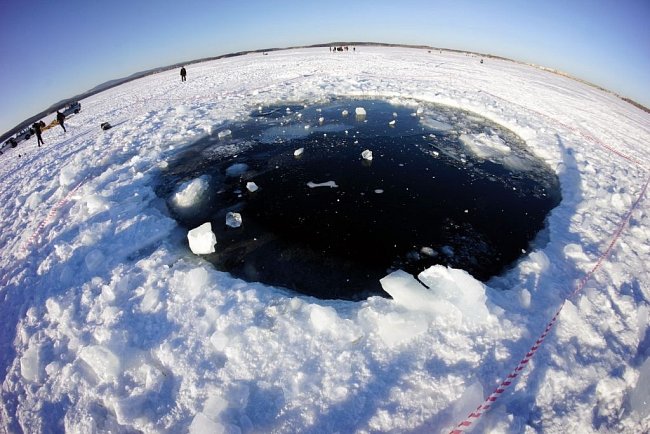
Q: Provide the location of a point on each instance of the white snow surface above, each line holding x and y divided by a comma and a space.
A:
111, 324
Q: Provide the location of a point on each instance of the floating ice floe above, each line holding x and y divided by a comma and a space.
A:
360, 112
330, 184
392, 123
367, 155
252, 187
298, 152
233, 219
344, 113
202, 239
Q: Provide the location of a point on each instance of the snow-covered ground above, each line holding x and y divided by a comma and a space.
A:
110, 324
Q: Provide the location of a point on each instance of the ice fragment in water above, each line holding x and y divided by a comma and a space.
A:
367, 155
321, 120
233, 219
190, 194
330, 184
252, 187
202, 239
224, 133
392, 123
360, 112
344, 113
298, 152
237, 169
428, 251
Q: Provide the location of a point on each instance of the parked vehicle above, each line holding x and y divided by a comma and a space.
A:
74, 107
10, 143
24, 134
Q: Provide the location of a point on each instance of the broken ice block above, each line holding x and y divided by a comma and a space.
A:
367, 155
233, 219
298, 152
252, 187
202, 239
360, 112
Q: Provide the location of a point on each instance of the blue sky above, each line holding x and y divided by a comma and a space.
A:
53, 50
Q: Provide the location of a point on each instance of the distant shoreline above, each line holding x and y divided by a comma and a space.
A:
117, 82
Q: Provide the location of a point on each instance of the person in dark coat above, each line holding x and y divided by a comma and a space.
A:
183, 73
60, 117
37, 131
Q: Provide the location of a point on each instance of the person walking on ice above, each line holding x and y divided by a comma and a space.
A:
37, 131
60, 118
183, 73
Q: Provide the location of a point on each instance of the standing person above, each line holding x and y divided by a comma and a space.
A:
183, 73
37, 131
60, 118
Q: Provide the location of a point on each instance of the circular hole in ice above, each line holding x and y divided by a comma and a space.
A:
443, 187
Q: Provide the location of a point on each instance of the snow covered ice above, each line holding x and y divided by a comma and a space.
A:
110, 324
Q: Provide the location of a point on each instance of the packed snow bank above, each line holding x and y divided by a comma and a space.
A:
110, 324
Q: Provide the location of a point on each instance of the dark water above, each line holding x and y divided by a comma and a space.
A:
427, 197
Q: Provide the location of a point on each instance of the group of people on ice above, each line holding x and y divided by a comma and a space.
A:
342, 48
39, 125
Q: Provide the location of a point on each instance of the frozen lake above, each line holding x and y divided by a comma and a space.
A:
443, 186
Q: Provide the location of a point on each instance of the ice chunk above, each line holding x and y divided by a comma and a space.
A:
233, 219
360, 112
459, 288
298, 152
104, 363
379, 191
202, 239
94, 259
224, 133
435, 124
428, 251
322, 318
237, 169
201, 424
252, 187
330, 184
397, 329
344, 113
367, 155
321, 120
640, 396
190, 195
450, 291
30, 364
392, 123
